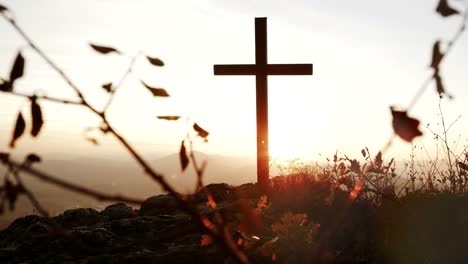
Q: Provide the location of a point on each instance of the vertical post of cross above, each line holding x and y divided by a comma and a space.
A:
261, 61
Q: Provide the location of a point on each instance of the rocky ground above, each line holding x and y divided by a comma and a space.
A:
297, 222
157, 232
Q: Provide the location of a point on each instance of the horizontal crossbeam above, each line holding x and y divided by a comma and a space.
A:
271, 69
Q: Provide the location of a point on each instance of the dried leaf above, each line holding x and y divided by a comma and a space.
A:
92, 140
184, 160
107, 87
155, 61
103, 49
404, 126
201, 132
445, 10
37, 120
206, 240
363, 152
17, 70
262, 202
4, 157
19, 129
31, 158
156, 91
436, 56
6, 87
210, 201
378, 160
355, 166
3, 8
170, 118
463, 166
440, 86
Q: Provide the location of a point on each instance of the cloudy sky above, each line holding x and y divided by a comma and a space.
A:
367, 55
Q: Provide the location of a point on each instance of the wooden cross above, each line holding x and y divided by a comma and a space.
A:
261, 69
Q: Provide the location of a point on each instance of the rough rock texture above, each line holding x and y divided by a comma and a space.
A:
158, 233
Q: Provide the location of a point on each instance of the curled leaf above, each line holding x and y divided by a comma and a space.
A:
17, 70
404, 126
19, 129
436, 56
170, 118
445, 10
184, 160
103, 49
156, 91
363, 152
37, 120
155, 61
201, 132
31, 158
107, 87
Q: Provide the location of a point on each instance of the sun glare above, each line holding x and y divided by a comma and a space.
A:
283, 144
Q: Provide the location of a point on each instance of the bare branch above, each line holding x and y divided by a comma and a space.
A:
70, 186
46, 98
205, 223
32, 198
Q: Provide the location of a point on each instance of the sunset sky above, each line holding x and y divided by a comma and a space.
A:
367, 55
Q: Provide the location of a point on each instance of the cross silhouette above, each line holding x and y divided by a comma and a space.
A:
261, 69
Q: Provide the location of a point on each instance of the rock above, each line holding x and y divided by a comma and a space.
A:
79, 217
132, 226
118, 211
7, 254
219, 192
157, 205
94, 237
25, 228
159, 233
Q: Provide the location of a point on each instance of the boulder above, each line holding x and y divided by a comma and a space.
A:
160, 204
219, 192
79, 217
118, 211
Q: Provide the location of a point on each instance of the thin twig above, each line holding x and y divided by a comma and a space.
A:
71, 186
46, 98
119, 84
32, 198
